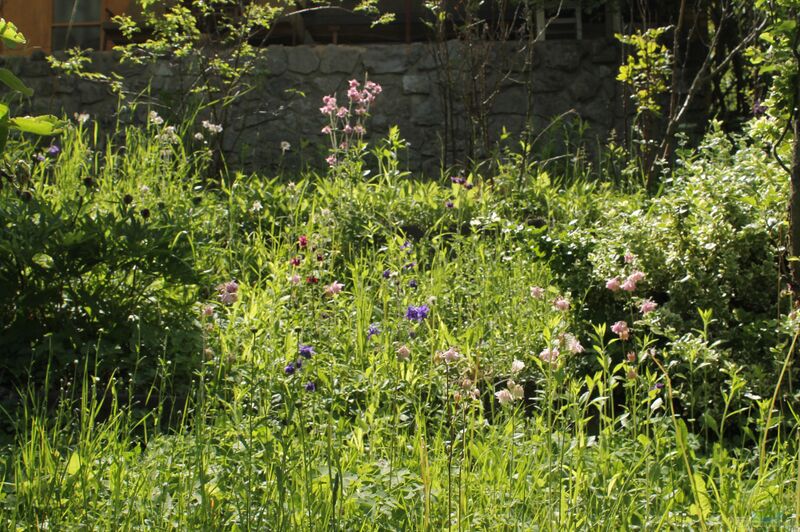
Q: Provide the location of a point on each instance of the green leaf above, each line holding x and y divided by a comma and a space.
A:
682, 433
3, 127
14, 83
74, 463
37, 125
44, 260
10, 34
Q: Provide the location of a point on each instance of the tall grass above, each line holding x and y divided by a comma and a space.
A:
361, 437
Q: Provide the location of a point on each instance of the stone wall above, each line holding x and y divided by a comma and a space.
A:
291, 81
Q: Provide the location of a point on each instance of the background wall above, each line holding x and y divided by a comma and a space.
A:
291, 81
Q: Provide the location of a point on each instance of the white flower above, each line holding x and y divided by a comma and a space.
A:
81, 118
517, 366
537, 292
199, 137
211, 127
516, 390
449, 356
504, 397
256, 206
285, 146
155, 119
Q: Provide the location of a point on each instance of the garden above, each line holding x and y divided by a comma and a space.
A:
598, 340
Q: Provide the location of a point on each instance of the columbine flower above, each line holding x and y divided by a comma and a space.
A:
81, 118
285, 146
290, 368
417, 313
154, 119
517, 366
211, 127
450, 356
629, 257
648, 305
620, 328
549, 355
613, 284
449, 204
629, 285
53, 150
208, 311
294, 261
311, 279
504, 397
257, 207
311, 387
331, 160
631, 356
537, 292
412, 283
572, 344
561, 303
326, 130
373, 330
403, 353
516, 390
333, 288
199, 137
387, 273
306, 351
295, 279
631, 374
302, 241
228, 292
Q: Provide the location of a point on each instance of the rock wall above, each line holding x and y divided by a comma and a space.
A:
430, 102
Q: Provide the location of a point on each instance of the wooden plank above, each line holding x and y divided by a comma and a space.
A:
33, 18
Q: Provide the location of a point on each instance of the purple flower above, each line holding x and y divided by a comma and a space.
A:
373, 330
53, 150
289, 369
449, 204
412, 283
306, 351
409, 265
39, 157
299, 363
387, 273
311, 387
458, 180
417, 313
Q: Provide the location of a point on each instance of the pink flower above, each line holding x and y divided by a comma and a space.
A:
517, 366
333, 288
359, 129
613, 284
537, 292
331, 160
629, 285
302, 241
342, 112
348, 129
621, 329
329, 105
295, 279
572, 344
561, 303
516, 390
631, 356
403, 352
326, 130
648, 305
228, 292
549, 355
208, 311
629, 257
450, 356
504, 397
636, 276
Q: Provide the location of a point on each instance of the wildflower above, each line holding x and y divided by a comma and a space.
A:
295, 279
412, 283
199, 137
53, 150
228, 292
211, 127
81, 118
306, 351
295, 261
403, 353
331, 160
631, 374
311, 279
450, 356
549, 355
333, 288
648, 305
290, 368
257, 206
320, 258
298, 363
629, 285
358, 129
342, 112
561, 303
449, 204
504, 397
468, 186
537, 292
285, 146
516, 390
631, 356
302, 241
39, 157
629, 257
613, 284
517, 366
347, 129
572, 344
127, 199
208, 311
154, 119
458, 180
621, 329
329, 105
326, 130
310, 386
409, 265
145, 213
373, 330
417, 313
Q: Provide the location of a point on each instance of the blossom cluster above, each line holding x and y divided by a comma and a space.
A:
346, 124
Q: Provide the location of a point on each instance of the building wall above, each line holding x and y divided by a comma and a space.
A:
564, 75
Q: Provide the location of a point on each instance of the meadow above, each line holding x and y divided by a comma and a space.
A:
539, 345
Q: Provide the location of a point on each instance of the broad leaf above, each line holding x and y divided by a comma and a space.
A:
14, 83
10, 34
38, 125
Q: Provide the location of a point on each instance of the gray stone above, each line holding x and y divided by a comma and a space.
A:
511, 100
548, 80
416, 84
385, 59
276, 60
91, 92
561, 55
302, 59
425, 111
342, 58
584, 86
